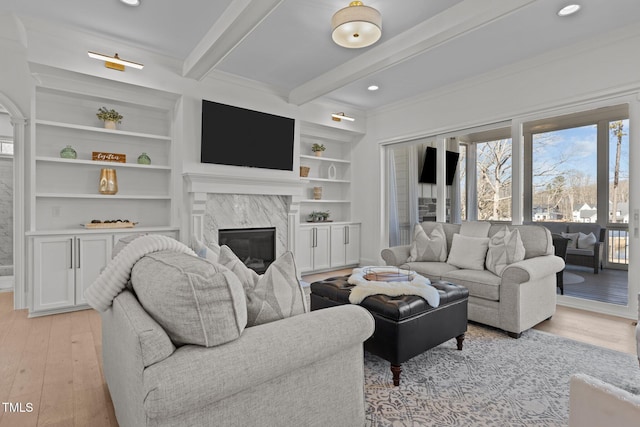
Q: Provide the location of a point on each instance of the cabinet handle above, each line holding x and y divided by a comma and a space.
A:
346, 229
71, 254
78, 240
314, 238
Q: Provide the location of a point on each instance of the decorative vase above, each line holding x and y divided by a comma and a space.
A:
318, 153
68, 153
108, 183
109, 124
304, 171
331, 171
144, 159
317, 193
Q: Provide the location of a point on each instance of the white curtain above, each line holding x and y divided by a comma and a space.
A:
394, 225
414, 191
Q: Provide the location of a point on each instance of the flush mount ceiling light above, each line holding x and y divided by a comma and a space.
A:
338, 117
114, 62
131, 2
356, 26
373, 87
569, 9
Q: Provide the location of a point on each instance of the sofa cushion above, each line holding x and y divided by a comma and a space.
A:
431, 270
505, 247
573, 239
468, 252
195, 301
275, 295
586, 241
475, 228
431, 247
481, 284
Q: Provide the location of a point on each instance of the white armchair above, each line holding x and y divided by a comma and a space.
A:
594, 403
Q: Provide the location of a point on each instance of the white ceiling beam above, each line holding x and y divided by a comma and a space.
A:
459, 19
238, 20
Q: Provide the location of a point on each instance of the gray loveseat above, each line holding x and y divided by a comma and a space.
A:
524, 296
586, 257
304, 370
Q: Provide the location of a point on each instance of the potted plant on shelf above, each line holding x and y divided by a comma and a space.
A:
109, 117
318, 149
318, 216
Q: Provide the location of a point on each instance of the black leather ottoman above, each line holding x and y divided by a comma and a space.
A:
406, 325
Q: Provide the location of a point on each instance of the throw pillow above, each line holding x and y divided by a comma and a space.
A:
586, 241
275, 295
195, 301
468, 252
505, 247
573, 239
475, 229
431, 247
211, 252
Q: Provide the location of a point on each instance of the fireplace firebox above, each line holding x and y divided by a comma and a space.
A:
256, 247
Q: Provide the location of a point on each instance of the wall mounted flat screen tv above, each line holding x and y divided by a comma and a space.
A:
240, 137
428, 175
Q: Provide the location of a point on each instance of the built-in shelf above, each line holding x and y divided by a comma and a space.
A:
338, 181
101, 196
99, 163
324, 159
82, 230
324, 201
102, 130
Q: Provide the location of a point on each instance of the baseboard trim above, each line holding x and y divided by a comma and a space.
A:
6, 283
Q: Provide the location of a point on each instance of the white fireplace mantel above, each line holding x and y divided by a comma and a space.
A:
225, 184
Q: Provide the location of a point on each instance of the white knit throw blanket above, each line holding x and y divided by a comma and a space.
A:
420, 286
113, 279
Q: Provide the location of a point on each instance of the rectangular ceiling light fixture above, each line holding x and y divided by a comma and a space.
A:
114, 62
336, 117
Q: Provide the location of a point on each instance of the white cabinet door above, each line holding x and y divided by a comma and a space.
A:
92, 253
352, 246
322, 248
338, 247
304, 249
53, 273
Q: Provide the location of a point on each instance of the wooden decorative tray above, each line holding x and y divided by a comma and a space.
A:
110, 225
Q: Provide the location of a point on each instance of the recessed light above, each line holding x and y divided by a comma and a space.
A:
569, 9
131, 2
373, 87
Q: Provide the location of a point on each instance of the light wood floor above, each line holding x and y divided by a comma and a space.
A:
55, 362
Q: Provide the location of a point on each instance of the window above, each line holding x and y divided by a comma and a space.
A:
493, 181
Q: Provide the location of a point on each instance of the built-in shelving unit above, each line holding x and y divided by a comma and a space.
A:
65, 257
336, 186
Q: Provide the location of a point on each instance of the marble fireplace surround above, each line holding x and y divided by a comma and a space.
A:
219, 201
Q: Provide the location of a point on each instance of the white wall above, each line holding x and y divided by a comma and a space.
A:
574, 79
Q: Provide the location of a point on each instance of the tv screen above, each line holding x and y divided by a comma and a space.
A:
428, 175
240, 137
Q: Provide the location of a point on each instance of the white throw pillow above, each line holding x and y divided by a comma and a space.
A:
505, 247
431, 247
573, 239
211, 252
468, 252
274, 295
586, 241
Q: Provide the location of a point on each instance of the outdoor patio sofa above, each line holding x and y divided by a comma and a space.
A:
586, 257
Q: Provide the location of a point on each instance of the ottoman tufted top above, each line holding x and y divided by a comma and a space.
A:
396, 308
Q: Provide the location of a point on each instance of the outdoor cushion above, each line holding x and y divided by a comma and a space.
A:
574, 251
586, 241
573, 239
195, 301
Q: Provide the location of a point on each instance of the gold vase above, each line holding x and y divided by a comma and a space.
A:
108, 181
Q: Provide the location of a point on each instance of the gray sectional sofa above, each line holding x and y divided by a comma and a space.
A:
522, 297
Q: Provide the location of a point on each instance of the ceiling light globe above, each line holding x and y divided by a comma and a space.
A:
569, 10
131, 2
373, 87
356, 26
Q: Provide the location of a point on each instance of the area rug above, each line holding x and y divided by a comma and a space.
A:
571, 278
494, 381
